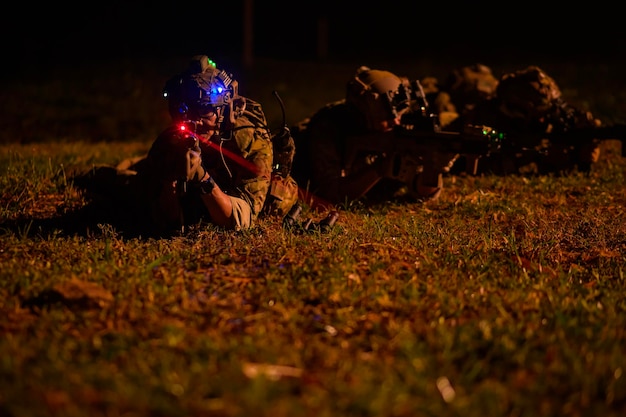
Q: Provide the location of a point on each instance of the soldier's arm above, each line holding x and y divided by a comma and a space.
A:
217, 202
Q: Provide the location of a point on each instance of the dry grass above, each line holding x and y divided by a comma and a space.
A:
503, 298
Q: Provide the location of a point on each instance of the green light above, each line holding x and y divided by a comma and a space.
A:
493, 134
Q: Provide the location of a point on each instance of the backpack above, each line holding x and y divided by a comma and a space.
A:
283, 190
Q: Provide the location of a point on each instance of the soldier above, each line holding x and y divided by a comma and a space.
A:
462, 89
528, 107
326, 164
215, 164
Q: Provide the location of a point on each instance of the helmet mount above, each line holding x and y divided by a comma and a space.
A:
201, 91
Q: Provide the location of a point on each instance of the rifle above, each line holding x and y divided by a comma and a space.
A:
554, 152
420, 147
419, 151
565, 139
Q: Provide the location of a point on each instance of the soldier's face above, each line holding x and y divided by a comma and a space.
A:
209, 120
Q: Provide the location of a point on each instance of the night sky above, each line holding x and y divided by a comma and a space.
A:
287, 29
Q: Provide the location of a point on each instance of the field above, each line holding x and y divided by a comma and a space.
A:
503, 298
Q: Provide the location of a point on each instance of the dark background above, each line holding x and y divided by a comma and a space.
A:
288, 29
95, 70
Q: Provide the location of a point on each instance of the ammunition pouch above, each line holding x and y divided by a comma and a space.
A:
282, 195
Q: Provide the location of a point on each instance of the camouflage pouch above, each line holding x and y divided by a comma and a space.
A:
282, 195
284, 150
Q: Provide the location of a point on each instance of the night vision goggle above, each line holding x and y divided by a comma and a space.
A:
196, 94
218, 90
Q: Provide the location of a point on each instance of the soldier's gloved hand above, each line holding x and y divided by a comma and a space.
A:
175, 156
195, 170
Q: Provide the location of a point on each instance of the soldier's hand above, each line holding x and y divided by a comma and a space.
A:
195, 170
175, 156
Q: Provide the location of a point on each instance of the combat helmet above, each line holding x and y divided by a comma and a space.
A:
529, 93
378, 95
469, 85
200, 90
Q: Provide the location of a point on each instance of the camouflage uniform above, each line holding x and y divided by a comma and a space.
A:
162, 188
463, 88
469, 85
323, 163
239, 160
527, 104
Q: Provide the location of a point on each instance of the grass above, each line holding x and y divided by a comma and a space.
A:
503, 298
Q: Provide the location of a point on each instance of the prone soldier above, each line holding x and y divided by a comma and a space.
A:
215, 164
